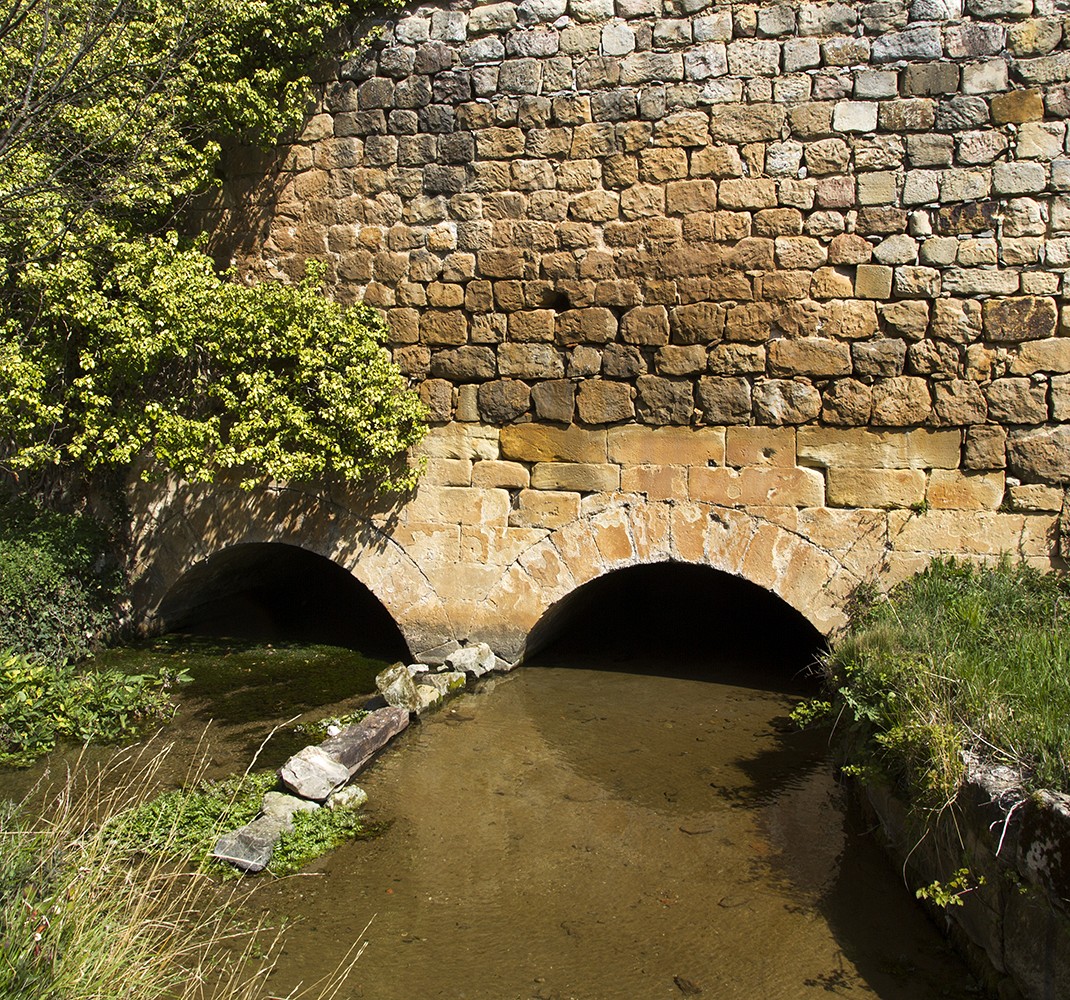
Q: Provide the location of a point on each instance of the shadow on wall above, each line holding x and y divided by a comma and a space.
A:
679, 620
280, 593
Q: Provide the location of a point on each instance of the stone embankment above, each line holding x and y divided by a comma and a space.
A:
318, 775
1012, 921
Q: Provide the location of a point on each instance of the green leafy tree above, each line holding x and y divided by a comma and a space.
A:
118, 339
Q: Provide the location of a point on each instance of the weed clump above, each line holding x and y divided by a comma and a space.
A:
959, 659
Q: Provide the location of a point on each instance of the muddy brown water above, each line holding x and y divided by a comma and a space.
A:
601, 834
632, 831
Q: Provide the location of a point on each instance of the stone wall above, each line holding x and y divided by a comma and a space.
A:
804, 260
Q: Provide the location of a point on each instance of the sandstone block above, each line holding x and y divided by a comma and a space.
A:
922, 44
746, 123
1020, 318
986, 447
1041, 455
1049, 355
811, 356
657, 482
846, 319
784, 401
959, 402
847, 248
647, 325
575, 477
500, 475
595, 325
538, 443
1036, 497
865, 449
880, 358
771, 486
554, 400
881, 488
1017, 107
666, 446
464, 364
503, 400
1018, 401
600, 401
760, 446
661, 401
847, 403
724, 400
530, 361
675, 360
441, 327
950, 489
544, 509
901, 402
873, 281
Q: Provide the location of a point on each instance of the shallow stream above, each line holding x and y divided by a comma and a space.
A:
594, 827
602, 834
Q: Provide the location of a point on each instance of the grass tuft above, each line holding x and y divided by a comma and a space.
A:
84, 917
959, 658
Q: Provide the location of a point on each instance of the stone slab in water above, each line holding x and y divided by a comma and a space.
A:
476, 660
250, 847
282, 807
355, 745
314, 773
350, 797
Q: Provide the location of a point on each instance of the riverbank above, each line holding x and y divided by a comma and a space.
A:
951, 697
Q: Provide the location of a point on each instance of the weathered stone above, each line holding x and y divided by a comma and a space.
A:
312, 773
503, 400
475, 660
1041, 455
847, 403
1020, 318
881, 488
986, 447
950, 489
554, 400
661, 401
812, 356
446, 682
351, 797
881, 358
600, 401
576, 477
865, 449
785, 401
280, 806
901, 402
250, 847
724, 400
1017, 401
959, 402
1016, 107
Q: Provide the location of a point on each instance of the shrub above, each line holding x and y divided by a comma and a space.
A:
58, 587
41, 703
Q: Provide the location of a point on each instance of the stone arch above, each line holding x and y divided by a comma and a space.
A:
629, 531
178, 527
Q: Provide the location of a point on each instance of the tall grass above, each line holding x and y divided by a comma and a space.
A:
961, 659
83, 918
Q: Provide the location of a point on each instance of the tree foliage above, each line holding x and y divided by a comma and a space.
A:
117, 338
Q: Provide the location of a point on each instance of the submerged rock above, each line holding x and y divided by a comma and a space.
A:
446, 682
428, 697
350, 797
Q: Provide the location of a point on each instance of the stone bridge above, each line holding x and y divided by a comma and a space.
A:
779, 289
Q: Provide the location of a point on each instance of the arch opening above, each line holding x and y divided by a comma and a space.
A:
681, 619
280, 593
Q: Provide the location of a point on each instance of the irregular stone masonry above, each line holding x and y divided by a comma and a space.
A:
694, 213
804, 261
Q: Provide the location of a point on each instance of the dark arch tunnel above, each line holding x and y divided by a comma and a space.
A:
680, 619
280, 593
